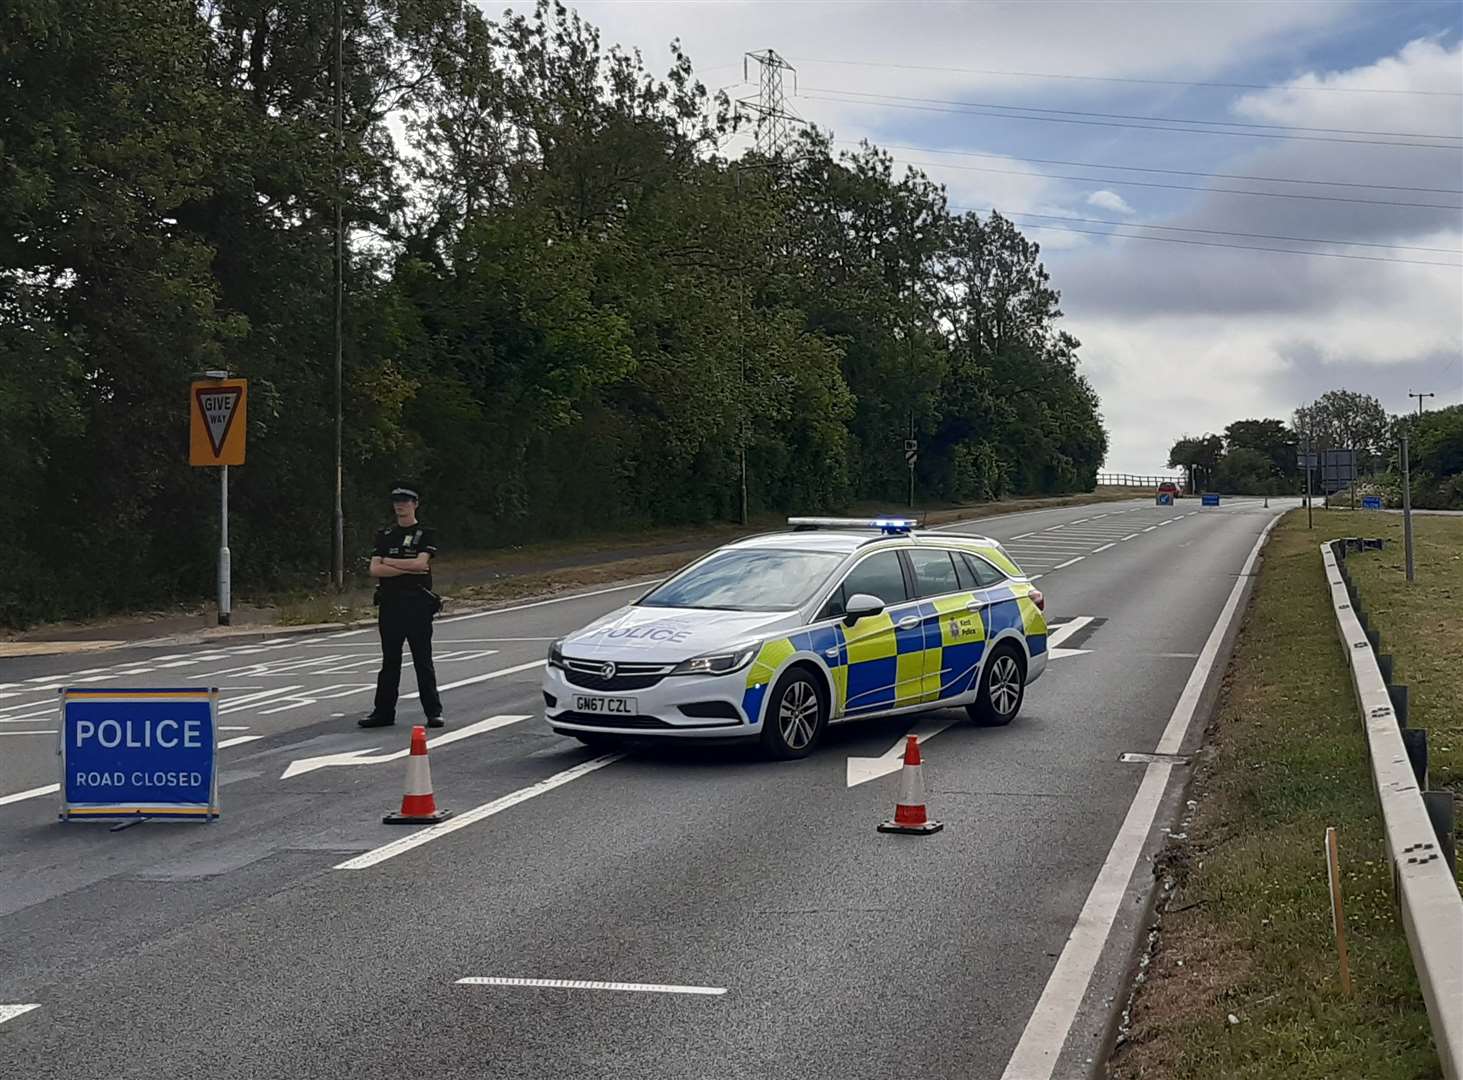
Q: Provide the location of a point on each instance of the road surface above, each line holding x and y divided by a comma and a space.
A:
709, 913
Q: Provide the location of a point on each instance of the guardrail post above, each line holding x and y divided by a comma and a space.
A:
1441, 812
1415, 740
1398, 694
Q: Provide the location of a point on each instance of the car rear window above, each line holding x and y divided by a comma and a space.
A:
934, 573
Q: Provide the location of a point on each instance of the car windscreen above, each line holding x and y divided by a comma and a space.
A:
747, 579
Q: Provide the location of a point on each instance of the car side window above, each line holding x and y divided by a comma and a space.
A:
934, 572
879, 575
985, 574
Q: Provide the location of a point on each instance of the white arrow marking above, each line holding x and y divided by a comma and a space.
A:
361, 757
863, 769
1066, 630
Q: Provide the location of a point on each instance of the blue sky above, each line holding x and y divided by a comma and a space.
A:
1177, 339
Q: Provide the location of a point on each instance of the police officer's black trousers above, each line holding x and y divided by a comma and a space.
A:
406, 617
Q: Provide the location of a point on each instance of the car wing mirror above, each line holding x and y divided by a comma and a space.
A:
861, 606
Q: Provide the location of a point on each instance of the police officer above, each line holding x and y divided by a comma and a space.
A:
402, 567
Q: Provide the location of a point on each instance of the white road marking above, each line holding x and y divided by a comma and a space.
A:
1066, 630
1103, 548
1023, 536
579, 984
1078, 521
1161, 524
1069, 562
863, 769
1130, 536
52, 731
239, 740
21, 796
310, 697
250, 701
361, 757
1046, 1031
225, 727
10, 1012
435, 832
481, 678
1178, 655
1034, 577
28, 717
1150, 528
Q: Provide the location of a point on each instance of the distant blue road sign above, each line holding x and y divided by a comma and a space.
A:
139, 753
1209, 500
1165, 498
1371, 502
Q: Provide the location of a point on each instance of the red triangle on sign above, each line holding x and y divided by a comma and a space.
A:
218, 405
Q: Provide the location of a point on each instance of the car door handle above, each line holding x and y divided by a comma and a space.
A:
975, 605
909, 622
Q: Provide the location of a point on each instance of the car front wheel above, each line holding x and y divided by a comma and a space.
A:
1002, 688
796, 716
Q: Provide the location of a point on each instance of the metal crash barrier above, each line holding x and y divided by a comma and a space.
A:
1417, 846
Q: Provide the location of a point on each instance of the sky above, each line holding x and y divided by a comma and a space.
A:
1178, 337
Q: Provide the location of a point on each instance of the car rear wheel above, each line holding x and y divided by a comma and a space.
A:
796, 716
1002, 688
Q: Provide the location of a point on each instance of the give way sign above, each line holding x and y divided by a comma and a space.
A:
217, 411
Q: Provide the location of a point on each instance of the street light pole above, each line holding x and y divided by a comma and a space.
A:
339, 516
1419, 401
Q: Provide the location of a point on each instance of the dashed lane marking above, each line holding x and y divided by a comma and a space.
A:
580, 984
1103, 548
1130, 536
1069, 562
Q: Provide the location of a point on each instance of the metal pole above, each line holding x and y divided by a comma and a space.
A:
224, 600
339, 516
911, 464
1407, 506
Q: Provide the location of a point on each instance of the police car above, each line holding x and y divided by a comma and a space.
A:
773, 637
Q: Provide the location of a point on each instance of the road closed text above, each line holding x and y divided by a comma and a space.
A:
139, 734
136, 779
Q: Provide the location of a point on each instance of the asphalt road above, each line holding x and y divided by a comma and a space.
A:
282, 940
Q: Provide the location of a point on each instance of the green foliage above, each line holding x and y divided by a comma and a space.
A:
565, 311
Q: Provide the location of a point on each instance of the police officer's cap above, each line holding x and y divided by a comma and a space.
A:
405, 491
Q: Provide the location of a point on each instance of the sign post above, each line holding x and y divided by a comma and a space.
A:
218, 414
139, 753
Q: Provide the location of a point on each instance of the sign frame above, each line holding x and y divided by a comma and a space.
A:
228, 449
138, 809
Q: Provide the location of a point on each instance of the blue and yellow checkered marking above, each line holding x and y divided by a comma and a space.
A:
877, 664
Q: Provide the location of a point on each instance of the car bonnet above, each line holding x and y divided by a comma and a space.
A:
670, 635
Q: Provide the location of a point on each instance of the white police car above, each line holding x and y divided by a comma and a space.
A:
776, 636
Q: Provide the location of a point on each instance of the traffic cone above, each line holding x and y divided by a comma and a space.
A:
418, 804
909, 812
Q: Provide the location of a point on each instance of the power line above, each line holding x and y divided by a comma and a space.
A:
1184, 187
1230, 232
1167, 172
1133, 116
1138, 127
1236, 247
1118, 182
1120, 79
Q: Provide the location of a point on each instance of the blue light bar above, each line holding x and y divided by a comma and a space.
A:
890, 525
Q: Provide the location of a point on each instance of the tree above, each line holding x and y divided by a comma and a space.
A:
1345, 420
1199, 455
1244, 470
1271, 438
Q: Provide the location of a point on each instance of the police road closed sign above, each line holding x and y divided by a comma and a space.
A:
218, 414
139, 753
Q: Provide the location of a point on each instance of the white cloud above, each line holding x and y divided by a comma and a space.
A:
1110, 200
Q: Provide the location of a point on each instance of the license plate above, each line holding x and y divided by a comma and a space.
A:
617, 706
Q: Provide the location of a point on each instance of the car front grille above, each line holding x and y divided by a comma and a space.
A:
628, 676
638, 723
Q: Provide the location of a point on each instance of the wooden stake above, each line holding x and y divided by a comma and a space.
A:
1338, 921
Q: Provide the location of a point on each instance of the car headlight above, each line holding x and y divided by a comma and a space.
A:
716, 663
556, 654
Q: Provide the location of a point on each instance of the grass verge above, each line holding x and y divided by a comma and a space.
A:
1243, 979
1421, 626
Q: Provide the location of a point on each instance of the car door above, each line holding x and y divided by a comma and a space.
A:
950, 618
999, 605
883, 668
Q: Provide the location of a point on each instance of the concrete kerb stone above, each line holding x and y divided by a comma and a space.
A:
1426, 891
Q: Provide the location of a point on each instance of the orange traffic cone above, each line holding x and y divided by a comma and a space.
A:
909, 812
418, 804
